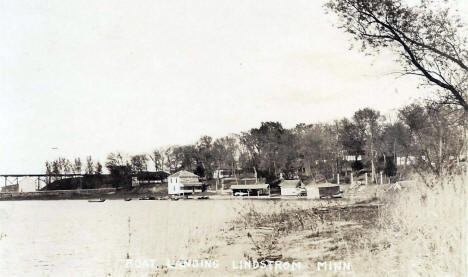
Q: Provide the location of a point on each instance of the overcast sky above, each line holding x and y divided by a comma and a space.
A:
93, 77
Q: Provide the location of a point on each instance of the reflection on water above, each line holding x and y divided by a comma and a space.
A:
77, 238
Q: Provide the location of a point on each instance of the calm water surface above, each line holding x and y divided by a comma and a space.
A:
77, 238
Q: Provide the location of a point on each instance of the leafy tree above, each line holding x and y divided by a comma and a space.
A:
268, 148
349, 138
139, 163
77, 166
158, 159
116, 159
89, 165
369, 128
427, 38
204, 153
435, 136
98, 169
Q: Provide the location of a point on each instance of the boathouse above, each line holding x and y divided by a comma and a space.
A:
183, 183
251, 190
325, 190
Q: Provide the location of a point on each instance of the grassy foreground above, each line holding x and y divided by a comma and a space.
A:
419, 230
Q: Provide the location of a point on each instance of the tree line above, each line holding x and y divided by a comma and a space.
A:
424, 137
65, 166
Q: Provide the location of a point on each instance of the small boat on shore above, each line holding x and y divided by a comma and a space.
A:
203, 197
128, 199
97, 200
148, 198
175, 198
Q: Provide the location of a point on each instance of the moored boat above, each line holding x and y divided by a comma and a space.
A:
97, 200
148, 198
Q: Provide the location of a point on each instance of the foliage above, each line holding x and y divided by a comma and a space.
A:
427, 38
429, 137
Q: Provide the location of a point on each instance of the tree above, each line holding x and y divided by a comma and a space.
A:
269, 148
158, 159
48, 168
89, 165
225, 151
204, 153
369, 128
115, 159
316, 148
98, 168
349, 138
139, 163
77, 166
435, 136
428, 39
394, 142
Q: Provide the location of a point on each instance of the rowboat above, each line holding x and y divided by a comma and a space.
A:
97, 200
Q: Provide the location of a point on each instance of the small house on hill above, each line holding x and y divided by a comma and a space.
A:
183, 183
291, 187
317, 191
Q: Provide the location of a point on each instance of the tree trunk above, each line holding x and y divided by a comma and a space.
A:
440, 152
466, 144
372, 160
255, 170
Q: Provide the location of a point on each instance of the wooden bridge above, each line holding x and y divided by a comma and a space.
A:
41, 180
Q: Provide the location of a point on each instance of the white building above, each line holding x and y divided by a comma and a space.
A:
27, 184
291, 187
183, 183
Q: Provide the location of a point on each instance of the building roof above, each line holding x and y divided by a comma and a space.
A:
184, 174
290, 183
256, 186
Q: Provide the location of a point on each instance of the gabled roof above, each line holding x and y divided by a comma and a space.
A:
184, 174
290, 183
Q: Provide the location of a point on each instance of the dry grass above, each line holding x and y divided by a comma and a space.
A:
426, 228
420, 231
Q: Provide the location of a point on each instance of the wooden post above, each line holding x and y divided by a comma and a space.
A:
381, 178
338, 178
366, 177
351, 178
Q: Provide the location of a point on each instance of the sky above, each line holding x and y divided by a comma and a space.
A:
81, 78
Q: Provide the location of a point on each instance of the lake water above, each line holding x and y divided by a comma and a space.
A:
78, 238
